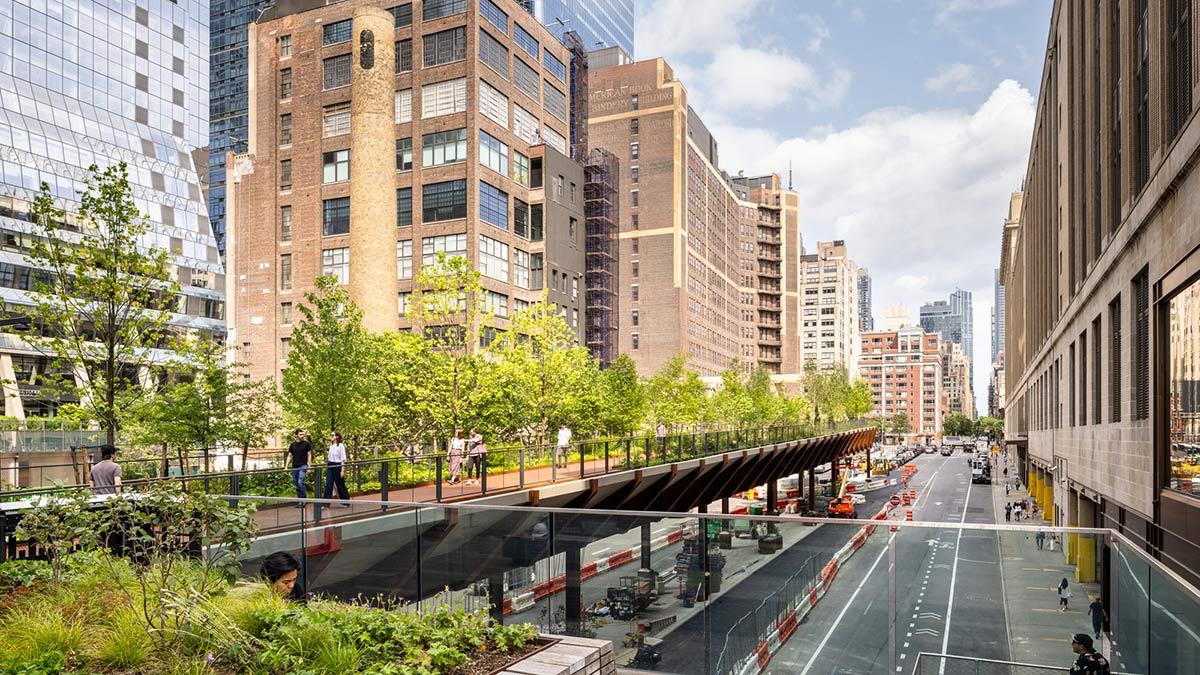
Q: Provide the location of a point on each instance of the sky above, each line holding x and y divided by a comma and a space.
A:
906, 123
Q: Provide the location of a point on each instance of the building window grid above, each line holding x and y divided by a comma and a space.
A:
493, 153
1141, 345
404, 106
520, 168
435, 9
285, 84
402, 15
285, 175
554, 66
336, 262
285, 223
493, 205
493, 258
444, 147
285, 129
520, 218
404, 154
285, 272
494, 105
444, 47
1114, 364
403, 207
404, 58
336, 166
453, 245
526, 41
444, 201
521, 268
335, 216
335, 72
336, 32
493, 54
285, 46
1097, 364
404, 259
554, 101
335, 119
444, 98
495, 16
526, 79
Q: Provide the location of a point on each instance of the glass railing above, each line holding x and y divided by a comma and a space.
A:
737, 594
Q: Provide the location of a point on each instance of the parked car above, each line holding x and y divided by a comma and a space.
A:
947, 451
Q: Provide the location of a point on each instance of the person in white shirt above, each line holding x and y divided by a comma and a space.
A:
334, 460
564, 445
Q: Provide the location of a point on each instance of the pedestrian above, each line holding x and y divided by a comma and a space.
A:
1007, 487
1064, 594
472, 440
334, 461
476, 453
299, 451
106, 474
458, 447
1008, 512
563, 447
1099, 616
660, 432
1041, 539
1017, 512
281, 571
1087, 660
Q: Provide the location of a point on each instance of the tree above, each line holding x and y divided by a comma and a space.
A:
104, 303
900, 424
622, 400
676, 395
859, 399
251, 415
331, 381
991, 427
732, 404
958, 424
827, 389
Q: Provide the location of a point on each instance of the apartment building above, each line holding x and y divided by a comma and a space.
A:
383, 134
956, 379
829, 316
866, 319
903, 367
1101, 274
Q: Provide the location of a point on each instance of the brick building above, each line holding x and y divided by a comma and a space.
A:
956, 379
829, 331
383, 134
904, 370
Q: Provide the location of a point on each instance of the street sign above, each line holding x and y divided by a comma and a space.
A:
895, 500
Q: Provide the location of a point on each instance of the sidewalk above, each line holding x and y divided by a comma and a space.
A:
1039, 632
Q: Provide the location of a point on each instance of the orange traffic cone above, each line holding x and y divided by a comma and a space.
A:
908, 515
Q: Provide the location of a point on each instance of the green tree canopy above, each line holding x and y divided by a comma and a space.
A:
991, 427
676, 395
622, 402
900, 424
958, 424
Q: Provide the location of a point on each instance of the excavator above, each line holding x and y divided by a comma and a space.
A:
841, 506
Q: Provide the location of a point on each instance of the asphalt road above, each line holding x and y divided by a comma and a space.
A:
847, 633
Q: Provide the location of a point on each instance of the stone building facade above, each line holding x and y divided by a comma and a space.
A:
829, 316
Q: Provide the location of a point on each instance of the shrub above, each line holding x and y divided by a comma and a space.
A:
124, 643
23, 574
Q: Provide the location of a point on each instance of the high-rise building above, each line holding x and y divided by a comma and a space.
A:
132, 88
953, 320
866, 320
337, 92
956, 379
903, 368
229, 104
996, 383
1101, 275
829, 316
997, 315
599, 23
690, 260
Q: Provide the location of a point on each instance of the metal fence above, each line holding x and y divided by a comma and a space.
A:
777, 612
949, 664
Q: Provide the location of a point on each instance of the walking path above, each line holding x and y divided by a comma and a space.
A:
1040, 632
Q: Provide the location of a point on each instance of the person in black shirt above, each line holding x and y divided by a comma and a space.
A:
1088, 660
299, 451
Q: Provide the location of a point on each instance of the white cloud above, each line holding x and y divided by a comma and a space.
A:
740, 79
707, 24
950, 10
820, 31
919, 197
956, 78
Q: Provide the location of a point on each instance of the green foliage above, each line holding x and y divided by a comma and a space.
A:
124, 643
958, 424
331, 382
991, 427
33, 631
57, 525
621, 404
104, 301
23, 573
899, 424
831, 395
677, 396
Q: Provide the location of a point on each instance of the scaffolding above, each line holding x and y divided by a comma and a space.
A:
579, 95
601, 173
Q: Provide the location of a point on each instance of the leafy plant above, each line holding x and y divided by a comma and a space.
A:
23, 573
57, 525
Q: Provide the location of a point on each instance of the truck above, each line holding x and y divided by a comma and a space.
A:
841, 506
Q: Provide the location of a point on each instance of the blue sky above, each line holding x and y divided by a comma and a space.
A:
907, 123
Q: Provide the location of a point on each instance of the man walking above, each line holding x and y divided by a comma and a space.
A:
1008, 512
1041, 539
564, 445
1087, 660
106, 475
334, 459
1099, 616
299, 451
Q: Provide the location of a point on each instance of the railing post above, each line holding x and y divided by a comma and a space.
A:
628, 454
318, 493
235, 488
606, 455
582, 459
679, 448
437, 476
649, 451
384, 483
521, 466
483, 472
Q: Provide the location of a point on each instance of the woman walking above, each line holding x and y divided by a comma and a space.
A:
475, 460
334, 460
1064, 593
458, 448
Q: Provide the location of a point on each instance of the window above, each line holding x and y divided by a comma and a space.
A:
403, 106
285, 272
633, 102
336, 261
633, 198
558, 186
285, 174
1096, 365
634, 269
402, 15
634, 339
535, 222
633, 150
520, 218
554, 66
520, 268
634, 244
403, 207
493, 259
453, 245
1141, 345
285, 84
404, 62
495, 303
554, 139
493, 54
535, 172
1179, 30
495, 16
1141, 96
443, 98
337, 166
402, 303
633, 221
444, 147
526, 79
493, 205
633, 174
285, 129
633, 317
285, 347
526, 41
444, 201
526, 126
555, 101
1114, 359
335, 216
493, 104
537, 271
285, 223
633, 126
1071, 411
285, 313
336, 32
1182, 389
434, 9
572, 227
335, 119
492, 153
445, 47
1083, 379
404, 154
337, 71
404, 259
285, 46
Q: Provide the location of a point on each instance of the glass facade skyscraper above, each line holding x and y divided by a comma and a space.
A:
954, 320
83, 83
599, 23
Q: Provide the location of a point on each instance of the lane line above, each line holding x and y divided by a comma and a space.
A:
821, 646
953, 581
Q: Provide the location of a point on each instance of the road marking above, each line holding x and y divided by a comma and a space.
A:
953, 582
808, 666
601, 550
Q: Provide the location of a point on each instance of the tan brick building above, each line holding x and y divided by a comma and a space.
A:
691, 266
383, 133
1101, 273
829, 317
956, 379
903, 367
